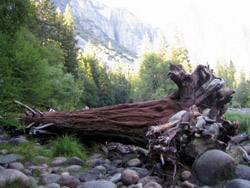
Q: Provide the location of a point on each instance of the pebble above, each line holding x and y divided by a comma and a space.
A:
58, 161
116, 178
129, 177
73, 169
185, 175
50, 178
134, 162
98, 184
75, 161
69, 181
16, 165
152, 185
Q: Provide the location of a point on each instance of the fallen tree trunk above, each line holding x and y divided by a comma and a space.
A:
129, 123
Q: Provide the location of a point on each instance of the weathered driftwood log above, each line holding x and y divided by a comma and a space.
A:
129, 123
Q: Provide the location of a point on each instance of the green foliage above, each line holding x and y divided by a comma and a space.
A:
243, 119
153, 80
68, 146
227, 72
13, 14
101, 87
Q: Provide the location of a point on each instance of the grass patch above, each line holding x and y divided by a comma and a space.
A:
244, 120
11, 123
68, 146
28, 150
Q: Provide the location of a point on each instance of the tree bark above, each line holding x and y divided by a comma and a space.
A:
129, 123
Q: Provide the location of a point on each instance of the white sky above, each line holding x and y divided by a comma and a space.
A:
212, 30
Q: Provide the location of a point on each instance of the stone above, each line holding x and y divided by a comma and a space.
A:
116, 178
90, 175
214, 166
187, 184
111, 170
58, 161
73, 169
129, 177
12, 177
97, 184
149, 179
238, 183
242, 172
152, 185
50, 178
185, 175
16, 165
75, 161
37, 170
52, 185
101, 169
138, 185
134, 162
142, 172
65, 173
69, 181
9, 158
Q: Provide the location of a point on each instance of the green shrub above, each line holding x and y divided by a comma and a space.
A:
68, 146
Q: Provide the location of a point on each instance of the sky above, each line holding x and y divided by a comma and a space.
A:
212, 30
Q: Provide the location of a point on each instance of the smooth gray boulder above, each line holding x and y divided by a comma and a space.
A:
214, 166
242, 172
13, 177
238, 183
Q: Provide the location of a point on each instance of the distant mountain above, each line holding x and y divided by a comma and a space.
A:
116, 35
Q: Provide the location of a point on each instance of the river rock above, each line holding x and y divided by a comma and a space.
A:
69, 181
149, 179
129, 177
97, 184
152, 185
52, 185
138, 185
238, 183
73, 169
185, 175
9, 158
75, 161
10, 178
58, 161
90, 175
134, 162
16, 165
116, 178
214, 166
50, 178
142, 172
242, 172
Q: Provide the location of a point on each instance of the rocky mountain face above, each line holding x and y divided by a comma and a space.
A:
115, 35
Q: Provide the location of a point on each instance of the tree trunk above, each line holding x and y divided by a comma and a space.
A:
129, 123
